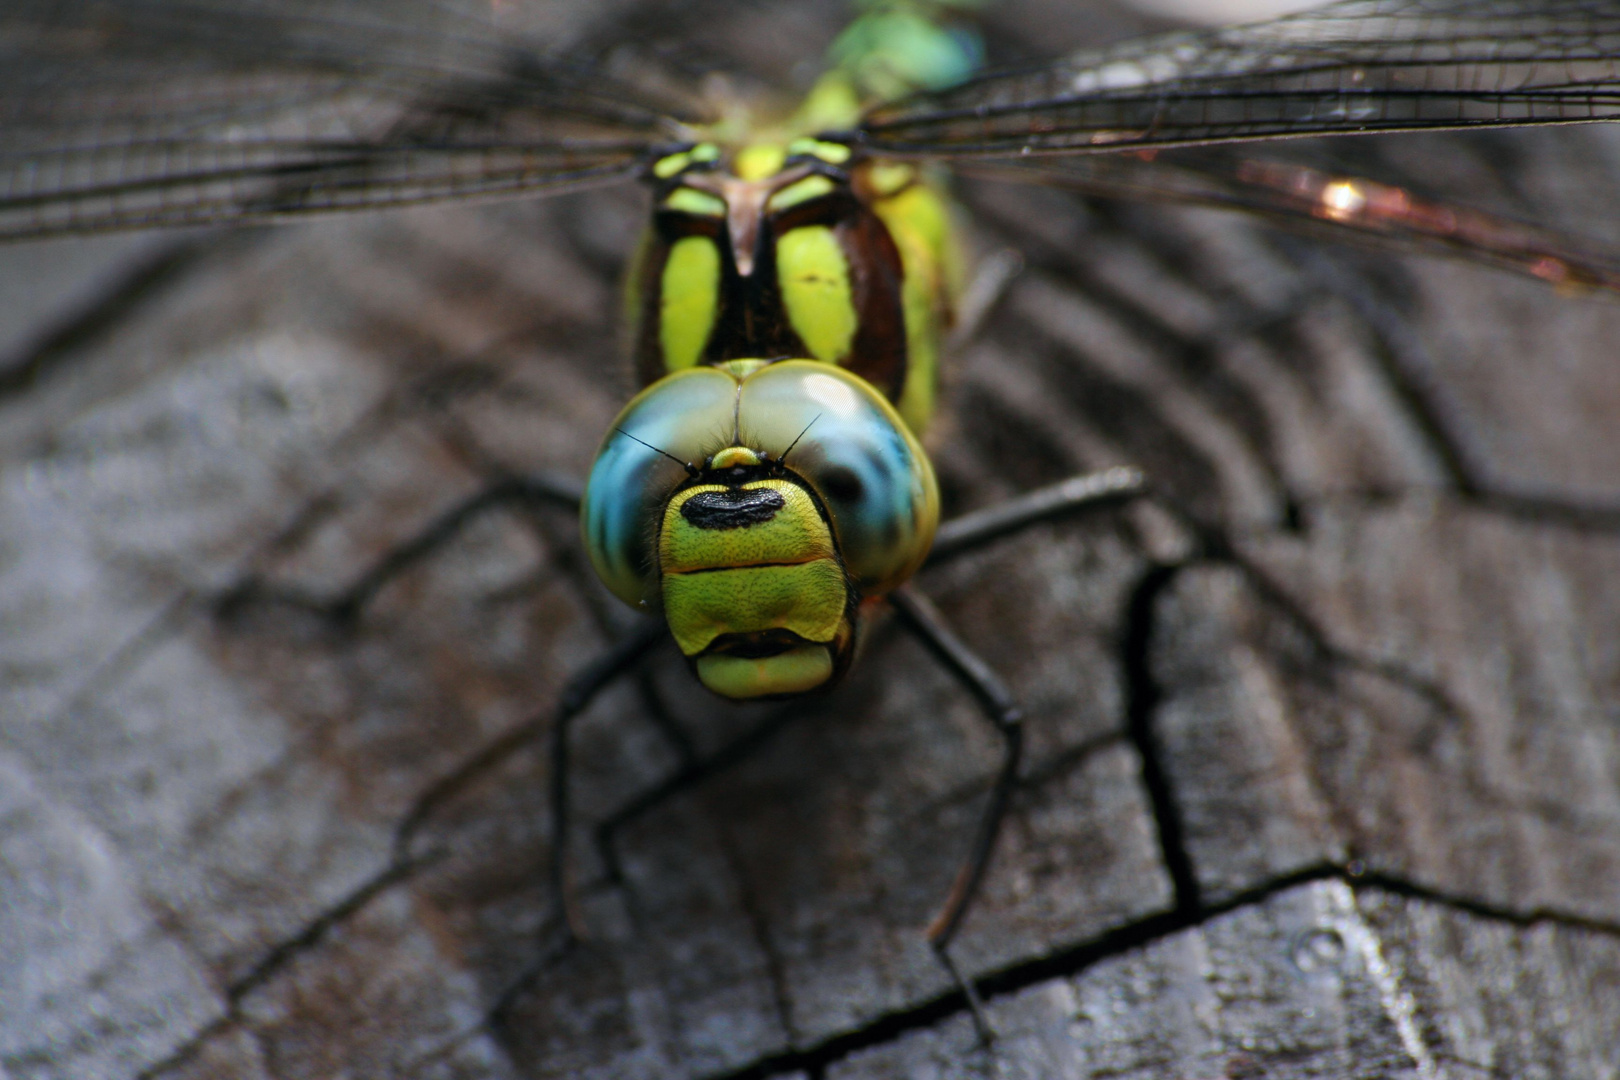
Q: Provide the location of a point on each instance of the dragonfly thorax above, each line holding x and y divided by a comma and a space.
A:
796, 250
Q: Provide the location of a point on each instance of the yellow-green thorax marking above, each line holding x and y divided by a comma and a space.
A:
796, 249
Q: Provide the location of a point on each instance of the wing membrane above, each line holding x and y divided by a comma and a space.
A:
1355, 67
1325, 203
167, 112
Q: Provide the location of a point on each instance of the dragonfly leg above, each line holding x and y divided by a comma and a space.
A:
692, 772
562, 491
581, 689
346, 604
1110, 487
1006, 717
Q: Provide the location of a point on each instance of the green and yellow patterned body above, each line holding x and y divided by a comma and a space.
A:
786, 307
793, 250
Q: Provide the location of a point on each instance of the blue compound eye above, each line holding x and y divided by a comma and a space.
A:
686, 415
857, 455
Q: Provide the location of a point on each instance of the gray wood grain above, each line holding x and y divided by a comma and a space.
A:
1324, 776
1318, 980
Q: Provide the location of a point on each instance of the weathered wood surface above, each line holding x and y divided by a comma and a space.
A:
1325, 741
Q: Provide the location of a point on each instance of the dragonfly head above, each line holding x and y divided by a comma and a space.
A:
758, 552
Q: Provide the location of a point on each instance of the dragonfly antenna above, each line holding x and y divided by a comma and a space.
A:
783, 459
691, 470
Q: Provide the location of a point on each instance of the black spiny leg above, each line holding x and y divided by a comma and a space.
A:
563, 491
1004, 714
579, 692
1088, 491
1091, 491
345, 606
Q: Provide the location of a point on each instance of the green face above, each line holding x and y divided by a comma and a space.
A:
753, 586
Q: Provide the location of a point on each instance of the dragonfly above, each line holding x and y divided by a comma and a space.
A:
770, 227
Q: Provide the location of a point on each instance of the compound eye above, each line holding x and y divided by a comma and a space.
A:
685, 415
858, 456
842, 485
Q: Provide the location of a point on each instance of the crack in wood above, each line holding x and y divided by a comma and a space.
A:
1189, 909
1135, 935
814, 1059
1142, 697
283, 953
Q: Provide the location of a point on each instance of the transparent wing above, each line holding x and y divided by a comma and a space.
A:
1354, 67
135, 113
1335, 203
